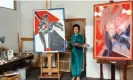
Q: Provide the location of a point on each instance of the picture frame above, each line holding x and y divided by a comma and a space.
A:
49, 31
113, 31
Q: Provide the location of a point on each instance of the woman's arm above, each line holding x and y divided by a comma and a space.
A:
68, 43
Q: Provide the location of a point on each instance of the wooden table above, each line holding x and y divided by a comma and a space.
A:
16, 63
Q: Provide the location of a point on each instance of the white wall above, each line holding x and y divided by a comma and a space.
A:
80, 9
26, 13
8, 28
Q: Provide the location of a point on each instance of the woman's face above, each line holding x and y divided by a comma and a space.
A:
76, 30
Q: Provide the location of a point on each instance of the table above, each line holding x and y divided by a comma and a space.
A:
16, 63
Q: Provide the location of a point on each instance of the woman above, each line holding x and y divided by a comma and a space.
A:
77, 52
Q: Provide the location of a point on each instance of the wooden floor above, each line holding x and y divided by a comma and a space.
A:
33, 74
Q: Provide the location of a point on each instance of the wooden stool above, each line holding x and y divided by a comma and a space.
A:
50, 72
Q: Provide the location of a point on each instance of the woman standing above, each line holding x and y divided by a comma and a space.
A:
77, 52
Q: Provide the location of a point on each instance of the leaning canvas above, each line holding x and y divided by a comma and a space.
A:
49, 31
113, 31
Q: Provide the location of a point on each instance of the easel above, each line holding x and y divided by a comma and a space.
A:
49, 72
122, 63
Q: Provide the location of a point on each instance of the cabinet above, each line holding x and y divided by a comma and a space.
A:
64, 61
65, 58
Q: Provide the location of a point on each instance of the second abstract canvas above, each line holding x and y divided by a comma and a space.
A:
113, 31
49, 31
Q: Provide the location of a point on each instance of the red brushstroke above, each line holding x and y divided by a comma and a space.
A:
51, 17
116, 7
99, 37
126, 6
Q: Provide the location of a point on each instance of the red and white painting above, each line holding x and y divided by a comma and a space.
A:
113, 31
49, 31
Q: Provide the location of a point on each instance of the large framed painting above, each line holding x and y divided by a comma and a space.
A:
49, 30
113, 31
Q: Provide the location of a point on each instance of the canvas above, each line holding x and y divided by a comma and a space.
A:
113, 31
49, 31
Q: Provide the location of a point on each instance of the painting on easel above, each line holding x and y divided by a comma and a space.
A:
49, 30
113, 31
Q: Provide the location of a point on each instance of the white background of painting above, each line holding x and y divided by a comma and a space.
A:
60, 15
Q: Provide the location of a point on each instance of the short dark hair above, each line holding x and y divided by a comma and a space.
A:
76, 25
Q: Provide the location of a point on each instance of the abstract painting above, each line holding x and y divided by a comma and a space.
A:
113, 31
49, 30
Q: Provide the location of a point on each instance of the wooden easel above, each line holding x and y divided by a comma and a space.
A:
122, 63
49, 72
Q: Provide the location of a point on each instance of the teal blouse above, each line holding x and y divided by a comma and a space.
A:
78, 38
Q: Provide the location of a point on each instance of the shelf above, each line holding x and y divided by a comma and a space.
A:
129, 66
64, 57
64, 66
64, 70
64, 61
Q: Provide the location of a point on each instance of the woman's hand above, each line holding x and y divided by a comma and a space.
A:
77, 44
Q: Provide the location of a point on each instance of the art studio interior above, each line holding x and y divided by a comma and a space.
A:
66, 40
